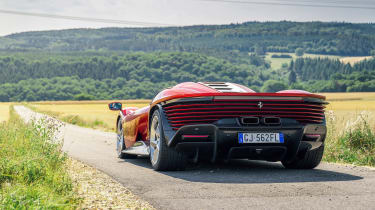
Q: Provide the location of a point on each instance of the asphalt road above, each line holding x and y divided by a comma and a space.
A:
239, 184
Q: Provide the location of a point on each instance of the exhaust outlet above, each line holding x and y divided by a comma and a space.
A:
250, 120
272, 120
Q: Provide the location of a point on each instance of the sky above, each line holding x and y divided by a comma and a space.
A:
174, 12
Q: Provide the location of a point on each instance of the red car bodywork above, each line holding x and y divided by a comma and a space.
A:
135, 121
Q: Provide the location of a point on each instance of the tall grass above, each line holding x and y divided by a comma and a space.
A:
350, 142
77, 120
32, 168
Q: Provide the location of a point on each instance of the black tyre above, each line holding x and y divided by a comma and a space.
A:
120, 144
309, 161
163, 158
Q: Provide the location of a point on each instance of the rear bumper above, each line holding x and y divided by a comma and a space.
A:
215, 142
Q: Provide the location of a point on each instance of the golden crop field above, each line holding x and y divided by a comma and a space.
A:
353, 60
364, 96
106, 102
89, 111
350, 102
4, 112
347, 108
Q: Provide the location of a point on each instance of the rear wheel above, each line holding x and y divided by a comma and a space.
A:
309, 161
120, 145
163, 158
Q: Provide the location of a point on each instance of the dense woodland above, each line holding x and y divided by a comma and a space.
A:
126, 63
134, 75
156, 67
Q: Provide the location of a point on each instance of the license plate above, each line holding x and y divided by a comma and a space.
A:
244, 138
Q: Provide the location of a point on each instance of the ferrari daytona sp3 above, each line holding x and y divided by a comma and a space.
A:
220, 120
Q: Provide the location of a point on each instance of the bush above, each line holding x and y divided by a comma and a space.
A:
355, 145
259, 61
300, 52
271, 86
281, 56
83, 97
259, 50
32, 168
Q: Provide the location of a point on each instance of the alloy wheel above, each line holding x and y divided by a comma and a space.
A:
155, 140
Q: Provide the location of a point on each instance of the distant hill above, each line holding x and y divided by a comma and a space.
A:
346, 39
133, 63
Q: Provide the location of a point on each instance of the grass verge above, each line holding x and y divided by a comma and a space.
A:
33, 173
352, 143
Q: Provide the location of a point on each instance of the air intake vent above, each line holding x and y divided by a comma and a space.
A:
224, 87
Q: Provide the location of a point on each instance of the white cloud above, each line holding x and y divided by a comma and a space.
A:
177, 12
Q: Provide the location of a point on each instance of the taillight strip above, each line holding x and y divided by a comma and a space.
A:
265, 100
240, 104
242, 108
183, 124
242, 113
231, 115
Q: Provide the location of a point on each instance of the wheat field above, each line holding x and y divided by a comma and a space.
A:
348, 107
353, 60
89, 111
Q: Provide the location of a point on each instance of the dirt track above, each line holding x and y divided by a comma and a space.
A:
237, 185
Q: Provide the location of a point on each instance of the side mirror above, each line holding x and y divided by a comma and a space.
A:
115, 106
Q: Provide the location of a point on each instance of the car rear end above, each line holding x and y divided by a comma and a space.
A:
272, 127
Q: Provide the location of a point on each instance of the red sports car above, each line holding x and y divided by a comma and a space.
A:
221, 120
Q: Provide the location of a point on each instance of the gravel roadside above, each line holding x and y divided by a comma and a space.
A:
100, 191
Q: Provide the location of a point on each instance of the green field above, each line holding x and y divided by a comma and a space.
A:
276, 63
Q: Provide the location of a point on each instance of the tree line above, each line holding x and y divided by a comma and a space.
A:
306, 69
331, 75
74, 88
33, 77
156, 67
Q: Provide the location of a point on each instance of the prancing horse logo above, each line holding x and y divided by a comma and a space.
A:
260, 105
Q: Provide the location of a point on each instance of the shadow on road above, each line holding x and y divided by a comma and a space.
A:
245, 171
